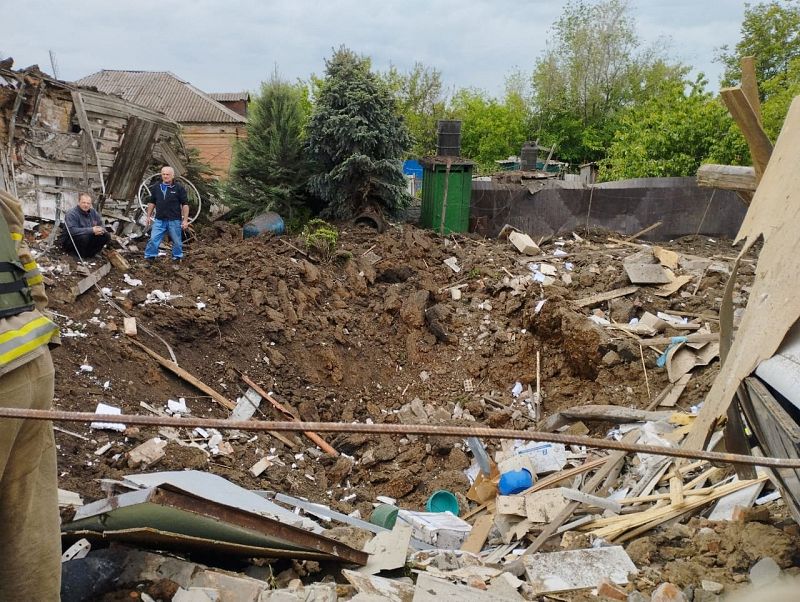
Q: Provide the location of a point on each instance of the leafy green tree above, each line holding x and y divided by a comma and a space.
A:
779, 90
269, 168
421, 101
593, 68
771, 33
491, 129
357, 139
672, 134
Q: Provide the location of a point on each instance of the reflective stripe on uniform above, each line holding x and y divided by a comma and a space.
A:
32, 274
16, 343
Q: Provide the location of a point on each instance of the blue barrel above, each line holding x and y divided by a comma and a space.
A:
269, 222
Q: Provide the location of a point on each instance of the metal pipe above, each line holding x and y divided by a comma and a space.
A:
397, 429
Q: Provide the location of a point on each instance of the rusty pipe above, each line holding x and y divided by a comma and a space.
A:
397, 429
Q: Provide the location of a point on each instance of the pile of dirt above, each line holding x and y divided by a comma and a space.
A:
385, 323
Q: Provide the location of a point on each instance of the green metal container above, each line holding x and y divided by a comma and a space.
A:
459, 194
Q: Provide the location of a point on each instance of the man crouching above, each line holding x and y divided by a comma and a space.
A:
83, 232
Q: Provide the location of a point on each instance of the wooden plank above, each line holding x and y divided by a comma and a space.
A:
117, 107
673, 287
672, 392
643, 232
745, 117
480, 532
609, 413
84, 285
773, 306
611, 461
750, 84
727, 177
164, 151
188, 377
615, 528
83, 121
777, 433
600, 297
292, 415
132, 159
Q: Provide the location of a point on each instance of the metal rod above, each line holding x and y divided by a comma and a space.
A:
397, 429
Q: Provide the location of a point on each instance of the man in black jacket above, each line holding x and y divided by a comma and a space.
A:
83, 231
171, 204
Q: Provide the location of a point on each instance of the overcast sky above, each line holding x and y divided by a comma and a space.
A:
232, 45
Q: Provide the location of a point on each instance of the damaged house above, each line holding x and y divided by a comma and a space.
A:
58, 139
207, 125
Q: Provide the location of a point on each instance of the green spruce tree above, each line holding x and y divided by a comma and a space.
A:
269, 167
357, 140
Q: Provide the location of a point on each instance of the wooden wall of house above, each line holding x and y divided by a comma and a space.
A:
214, 143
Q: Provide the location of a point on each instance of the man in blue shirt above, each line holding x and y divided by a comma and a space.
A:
171, 204
83, 231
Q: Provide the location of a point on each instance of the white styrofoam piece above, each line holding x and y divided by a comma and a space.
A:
440, 529
103, 408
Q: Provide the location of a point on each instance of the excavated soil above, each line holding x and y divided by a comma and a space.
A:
357, 338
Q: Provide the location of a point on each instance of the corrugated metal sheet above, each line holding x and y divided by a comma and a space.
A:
165, 92
230, 96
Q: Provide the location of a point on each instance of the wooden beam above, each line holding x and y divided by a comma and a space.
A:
133, 157
292, 415
84, 285
727, 177
185, 375
745, 117
600, 297
750, 84
83, 121
612, 460
643, 232
773, 306
609, 413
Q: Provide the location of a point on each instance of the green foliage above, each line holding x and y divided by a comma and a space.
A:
780, 90
420, 100
202, 176
672, 134
320, 237
592, 69
771, 33
491, 129
296, 223
357, 139
269, 167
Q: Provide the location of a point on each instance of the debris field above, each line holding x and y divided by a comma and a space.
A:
407, 327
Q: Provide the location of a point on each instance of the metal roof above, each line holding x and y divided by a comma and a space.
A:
165, 92
230, 96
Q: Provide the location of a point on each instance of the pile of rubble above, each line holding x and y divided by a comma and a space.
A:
585, 334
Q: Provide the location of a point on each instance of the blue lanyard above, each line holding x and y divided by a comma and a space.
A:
164, 188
